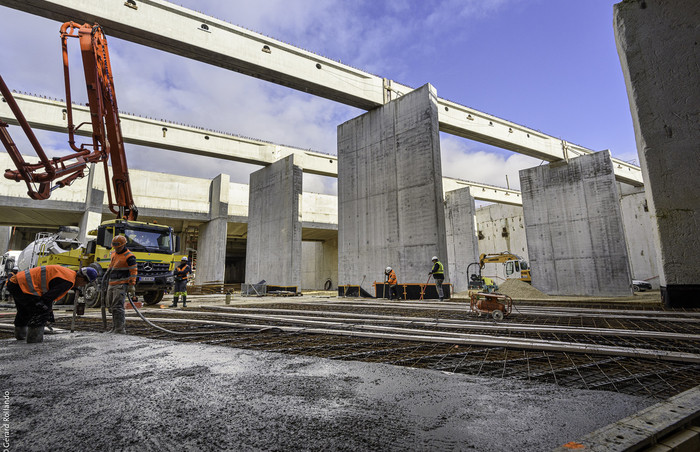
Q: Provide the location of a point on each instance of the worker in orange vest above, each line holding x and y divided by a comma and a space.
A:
121, 273
34, 292
391, 280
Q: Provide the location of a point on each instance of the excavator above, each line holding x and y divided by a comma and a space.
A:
153, 244
494, 269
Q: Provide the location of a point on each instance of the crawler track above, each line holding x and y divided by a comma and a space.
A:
646, 352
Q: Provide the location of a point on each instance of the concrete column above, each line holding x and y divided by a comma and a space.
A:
657, 41
5, 235
639, 226
390, 205
211, 243
462, 248
273, 250
573, 223
94, 200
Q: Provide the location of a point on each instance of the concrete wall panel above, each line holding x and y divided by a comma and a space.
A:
574, 229
274, 250
462, 246
390, 191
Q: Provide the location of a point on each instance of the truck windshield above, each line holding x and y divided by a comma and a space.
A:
143, 239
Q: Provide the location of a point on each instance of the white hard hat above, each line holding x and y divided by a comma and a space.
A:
184, 259
388, 269
434, 258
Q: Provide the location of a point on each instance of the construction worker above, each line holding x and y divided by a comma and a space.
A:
121, 274
181, 274
391, 280
438, 273
34, 292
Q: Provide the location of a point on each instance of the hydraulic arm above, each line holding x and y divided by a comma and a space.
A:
107, 145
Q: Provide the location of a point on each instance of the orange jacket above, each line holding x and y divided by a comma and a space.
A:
35, 281
124, 269
392, 278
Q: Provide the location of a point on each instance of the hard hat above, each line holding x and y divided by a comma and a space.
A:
15, 269
88, 273
184, 259
388, 269
119, 240
434, 258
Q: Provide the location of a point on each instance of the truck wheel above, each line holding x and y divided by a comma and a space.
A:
91, 294
153, 297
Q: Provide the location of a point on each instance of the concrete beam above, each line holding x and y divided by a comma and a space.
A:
47, 114
200, 37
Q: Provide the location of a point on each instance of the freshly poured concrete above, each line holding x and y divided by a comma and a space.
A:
573, 223
462, 246
89, 391
273, 249
390, 203
657, 41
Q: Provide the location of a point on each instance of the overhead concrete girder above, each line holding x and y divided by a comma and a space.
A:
197, 36
48, 114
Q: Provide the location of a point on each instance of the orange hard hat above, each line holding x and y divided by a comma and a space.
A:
118, 241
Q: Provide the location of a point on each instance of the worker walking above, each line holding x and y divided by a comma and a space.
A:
181, 274
391, 280
121, 274
438, 273
34, 292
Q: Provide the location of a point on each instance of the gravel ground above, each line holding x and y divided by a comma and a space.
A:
88, 391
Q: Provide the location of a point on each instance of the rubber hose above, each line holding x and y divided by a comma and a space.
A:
328, 284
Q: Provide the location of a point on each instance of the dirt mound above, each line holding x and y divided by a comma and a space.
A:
515, 288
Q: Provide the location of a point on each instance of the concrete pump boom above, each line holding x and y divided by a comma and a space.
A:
107, 144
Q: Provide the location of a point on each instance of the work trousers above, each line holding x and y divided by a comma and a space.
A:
393, 292
438, 286
180, 287
31, 310
116, 296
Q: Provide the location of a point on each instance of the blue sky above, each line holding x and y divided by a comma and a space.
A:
548, 64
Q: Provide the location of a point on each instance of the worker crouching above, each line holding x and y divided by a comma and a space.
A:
122, 272
34, 292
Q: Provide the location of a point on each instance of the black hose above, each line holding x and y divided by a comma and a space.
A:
259, 330
328, 284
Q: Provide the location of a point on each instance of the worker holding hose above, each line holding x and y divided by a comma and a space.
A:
438, 272
121, 274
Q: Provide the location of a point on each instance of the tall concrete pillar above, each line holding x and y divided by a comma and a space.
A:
573, 224
94, 200
5, 235
390, 206
273, 250
462, 243
211, 243
657, 41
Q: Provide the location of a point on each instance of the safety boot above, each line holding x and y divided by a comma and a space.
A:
35, 334
119, 322
20, 333
184, 301
175, 299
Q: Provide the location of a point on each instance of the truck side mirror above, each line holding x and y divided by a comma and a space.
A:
90, 247
177, 244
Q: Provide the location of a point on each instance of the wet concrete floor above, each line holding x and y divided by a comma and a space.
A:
91, 391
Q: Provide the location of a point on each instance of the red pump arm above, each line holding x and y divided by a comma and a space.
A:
107, 142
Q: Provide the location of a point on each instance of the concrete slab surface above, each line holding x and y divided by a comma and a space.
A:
90, 391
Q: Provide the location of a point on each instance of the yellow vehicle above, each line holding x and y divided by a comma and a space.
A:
154, 246
503, 266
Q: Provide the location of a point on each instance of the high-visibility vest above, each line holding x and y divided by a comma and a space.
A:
392, 277
122, 272
440, 271
35, 281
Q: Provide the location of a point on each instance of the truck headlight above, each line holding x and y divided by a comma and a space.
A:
170, 279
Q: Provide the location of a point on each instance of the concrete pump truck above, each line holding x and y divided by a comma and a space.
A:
153, 244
